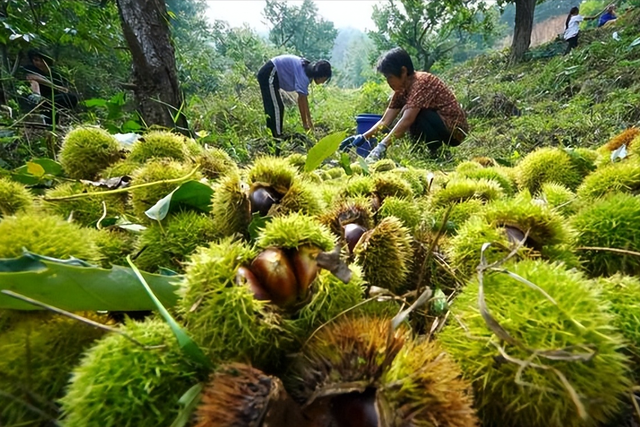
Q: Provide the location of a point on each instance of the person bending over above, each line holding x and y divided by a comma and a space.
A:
290, 73
430, 112
47, 85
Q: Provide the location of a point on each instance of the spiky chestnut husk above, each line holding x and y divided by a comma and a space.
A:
467, 166
215, 163
348, 211
577, 324
461, 190
549, 234
354, 368
158, 144
312, 177
613, 178
120, 168
295, 230
297, 160
458, 215
238, 395
623, 138
14, 198
85, 211
423, 387
155, 170
385, 255
37, 356
357, 186
274, 172
114, 245
634, 146
583, 159
301, 197
225, 319
336, 173
120, 383
88, 150
382, 166
231, 208
389, 184
611, 222
169, 244
415, 178
494, 174
547, 165
622, 294
330, 298
405, 210
45, 235
356, 168
558, 197
485, 161
352, 349
545, 227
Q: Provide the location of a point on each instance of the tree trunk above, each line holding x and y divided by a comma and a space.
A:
522, 29
157, 92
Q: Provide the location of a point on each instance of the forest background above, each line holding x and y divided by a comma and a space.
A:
216, 98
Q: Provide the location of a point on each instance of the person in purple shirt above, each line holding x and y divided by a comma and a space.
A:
293, 74
608, 15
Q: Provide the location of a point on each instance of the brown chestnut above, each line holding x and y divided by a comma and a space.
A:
306, 267
276, 274
352, 234
262, 198
244, 277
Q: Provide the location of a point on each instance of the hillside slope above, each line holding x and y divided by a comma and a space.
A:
577, 100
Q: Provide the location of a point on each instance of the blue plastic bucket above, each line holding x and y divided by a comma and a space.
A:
365, 122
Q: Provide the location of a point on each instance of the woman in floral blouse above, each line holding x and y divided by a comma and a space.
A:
430, 112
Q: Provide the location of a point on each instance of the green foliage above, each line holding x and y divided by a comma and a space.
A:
299, 28
169, 244
14, 198
86, 151
534, 393
397, 23
611, 222
116, 369
75, 285
37, 355
45, 235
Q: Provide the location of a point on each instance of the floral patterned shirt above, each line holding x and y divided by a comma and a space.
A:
427, 91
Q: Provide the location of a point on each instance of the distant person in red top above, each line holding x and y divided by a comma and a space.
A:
47, 85
430, 112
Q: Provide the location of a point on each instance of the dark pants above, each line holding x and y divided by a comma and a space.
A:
571, 43
61, 101
271, 99
429, 129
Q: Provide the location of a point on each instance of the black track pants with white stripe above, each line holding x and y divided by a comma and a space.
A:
273, 106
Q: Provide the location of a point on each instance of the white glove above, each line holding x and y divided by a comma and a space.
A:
377, 153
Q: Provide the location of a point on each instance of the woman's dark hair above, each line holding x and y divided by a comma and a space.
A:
574, 11
35, 53
317, 69
391, 62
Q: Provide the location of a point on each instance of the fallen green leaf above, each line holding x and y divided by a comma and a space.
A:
74, 285
323, 149
193, 194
